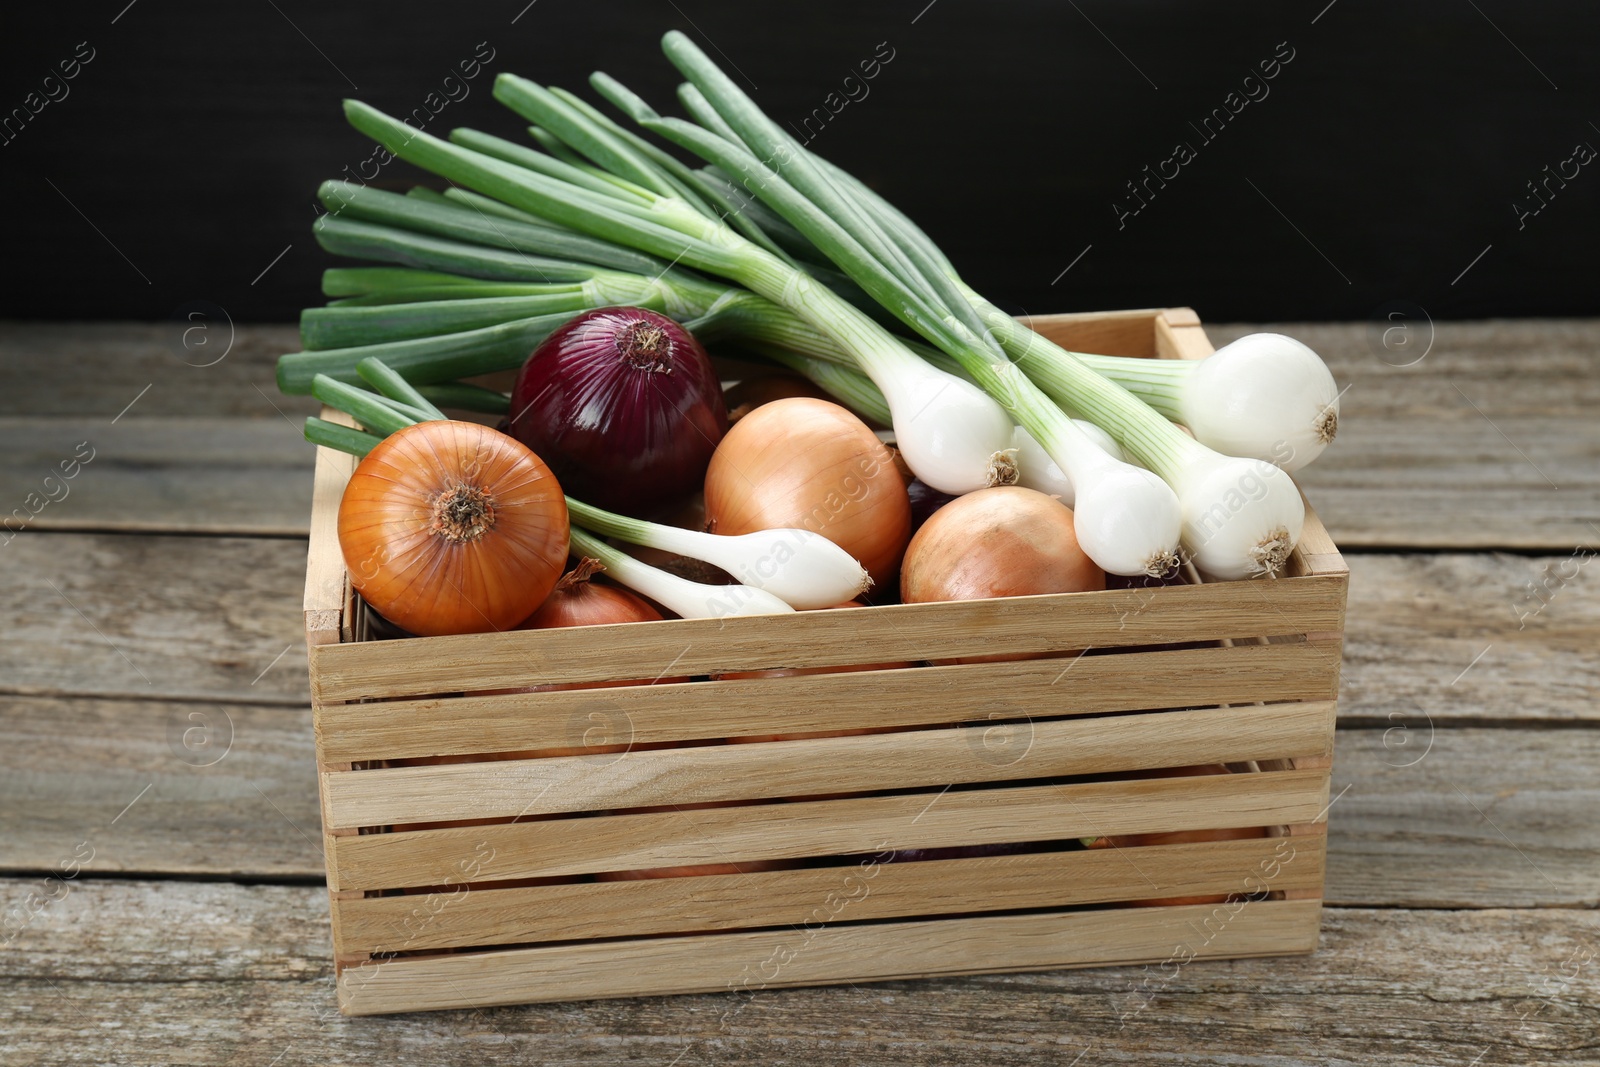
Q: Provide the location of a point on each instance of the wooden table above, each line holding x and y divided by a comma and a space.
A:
162, 887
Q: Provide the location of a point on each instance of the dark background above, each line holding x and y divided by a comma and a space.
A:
1386, 158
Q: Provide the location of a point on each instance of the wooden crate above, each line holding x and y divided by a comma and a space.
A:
501, 908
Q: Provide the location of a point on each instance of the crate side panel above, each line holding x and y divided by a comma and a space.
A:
748, 961
874, 888
903, 760
1006, 626
854, 825
640, 715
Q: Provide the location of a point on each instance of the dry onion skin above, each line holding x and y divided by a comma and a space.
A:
578, 601
812, 465
1004, 541
453, 528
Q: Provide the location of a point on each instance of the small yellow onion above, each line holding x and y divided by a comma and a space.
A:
812, 465
1004, 541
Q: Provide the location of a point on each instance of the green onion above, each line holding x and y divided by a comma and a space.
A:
343, 438
801, 568
691, 600
425, 360
464, 396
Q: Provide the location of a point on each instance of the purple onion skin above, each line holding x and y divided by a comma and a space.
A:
925, 500
623, 405
955, 852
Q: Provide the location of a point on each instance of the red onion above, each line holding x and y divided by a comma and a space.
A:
925, 500
623, 405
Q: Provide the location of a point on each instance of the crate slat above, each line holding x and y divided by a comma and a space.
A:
1010, 626
1109, 333
643, 715
869, 889
741, 962
856, 825
701, 774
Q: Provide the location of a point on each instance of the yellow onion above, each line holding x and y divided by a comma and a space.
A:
1004, 541
809, 464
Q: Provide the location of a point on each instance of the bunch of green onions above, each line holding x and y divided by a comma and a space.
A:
782, 252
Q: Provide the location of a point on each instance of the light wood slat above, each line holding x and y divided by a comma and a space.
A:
1179, 335
871, 889
199, 474
243, 973
146, 616
719, 962
327, 583
1013, 625
825, 765
1115, 333
827, 828
640, 715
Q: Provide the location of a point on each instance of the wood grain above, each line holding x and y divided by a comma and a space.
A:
1460, 638
870, 889
156, 787
245, 969
826, 954
94, 370
861, 825
198, 475
1012, 625
899, 760
199, 618
1465, 818
642, 715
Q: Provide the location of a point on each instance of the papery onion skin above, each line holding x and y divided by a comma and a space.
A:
453, 528
578, 601
998, 542
623, 404
812, 465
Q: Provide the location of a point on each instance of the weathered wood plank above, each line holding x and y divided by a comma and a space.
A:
94, 370
203, 618
198, 475
150, 786
1488, 440
244, 972
1465, 818
1462, 637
